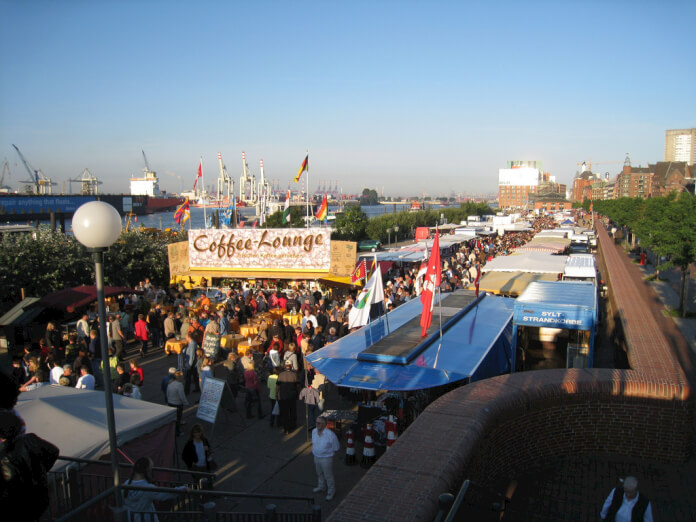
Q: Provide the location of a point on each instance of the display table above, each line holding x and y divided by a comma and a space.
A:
248, 330
230, 342
277, 313
174, 346
339, 420
243, 346
293, 319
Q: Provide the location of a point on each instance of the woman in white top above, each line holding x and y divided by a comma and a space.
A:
141, 501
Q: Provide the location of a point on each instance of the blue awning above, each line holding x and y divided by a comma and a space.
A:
389, 354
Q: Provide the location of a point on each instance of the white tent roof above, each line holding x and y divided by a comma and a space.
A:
535, 262
75, 420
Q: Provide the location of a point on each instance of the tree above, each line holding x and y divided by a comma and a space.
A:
351, 224
297, 214
666, 226
369, 197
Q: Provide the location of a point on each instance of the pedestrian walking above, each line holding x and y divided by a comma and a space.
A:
627, 504
324, 445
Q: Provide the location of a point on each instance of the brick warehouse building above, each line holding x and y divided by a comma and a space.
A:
500, 427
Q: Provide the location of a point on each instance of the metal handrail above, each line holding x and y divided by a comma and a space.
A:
197, 492
129, 465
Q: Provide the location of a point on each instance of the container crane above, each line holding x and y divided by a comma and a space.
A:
41, 184
5, 170
89, 184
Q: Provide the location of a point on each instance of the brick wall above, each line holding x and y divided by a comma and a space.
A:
498, 427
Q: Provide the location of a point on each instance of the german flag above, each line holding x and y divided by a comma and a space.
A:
303, 168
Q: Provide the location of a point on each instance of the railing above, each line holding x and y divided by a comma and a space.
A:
77, 496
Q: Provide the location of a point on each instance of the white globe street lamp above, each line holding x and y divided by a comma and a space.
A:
97, 225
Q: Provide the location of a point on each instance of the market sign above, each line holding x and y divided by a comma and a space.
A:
271, 249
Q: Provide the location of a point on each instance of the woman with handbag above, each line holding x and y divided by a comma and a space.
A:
197, 455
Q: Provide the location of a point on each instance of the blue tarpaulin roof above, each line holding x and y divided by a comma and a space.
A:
475, 344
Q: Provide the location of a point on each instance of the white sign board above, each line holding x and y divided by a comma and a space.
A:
210, 399
272, 248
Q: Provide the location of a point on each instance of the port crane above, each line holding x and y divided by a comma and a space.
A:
225, 183
5, 170
40, 183
89, 184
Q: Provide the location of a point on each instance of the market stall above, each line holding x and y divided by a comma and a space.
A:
562, 310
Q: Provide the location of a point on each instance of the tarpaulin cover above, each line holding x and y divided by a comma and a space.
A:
75, 420
72, 299
475, 344
536, 262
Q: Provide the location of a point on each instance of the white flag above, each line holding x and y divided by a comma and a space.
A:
373, 293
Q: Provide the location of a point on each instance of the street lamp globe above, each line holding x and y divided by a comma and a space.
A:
96, 225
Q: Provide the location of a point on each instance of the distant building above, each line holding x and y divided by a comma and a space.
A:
634, 182
672, 176
680, 145
582, 186
517, 182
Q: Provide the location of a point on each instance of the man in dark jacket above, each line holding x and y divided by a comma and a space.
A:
287, 392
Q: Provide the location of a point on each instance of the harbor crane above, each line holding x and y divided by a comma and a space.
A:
225, 183
587, 165
89, 184
40, 183
147, 170
5, 170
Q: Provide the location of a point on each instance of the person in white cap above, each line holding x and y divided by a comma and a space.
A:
324, 445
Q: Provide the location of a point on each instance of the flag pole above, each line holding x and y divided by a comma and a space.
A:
205, 214
439, 295
307, 184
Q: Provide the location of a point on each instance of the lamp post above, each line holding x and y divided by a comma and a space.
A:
389, 231
97, 225
396, 233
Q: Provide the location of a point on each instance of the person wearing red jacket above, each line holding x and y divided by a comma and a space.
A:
142, 334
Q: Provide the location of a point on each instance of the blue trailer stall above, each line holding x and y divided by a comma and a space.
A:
568, 308
390, 354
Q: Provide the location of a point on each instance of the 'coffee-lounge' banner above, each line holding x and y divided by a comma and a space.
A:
273, 248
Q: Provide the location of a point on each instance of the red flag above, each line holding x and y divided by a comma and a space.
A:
359, 272
200, 174
430, 284
478, 278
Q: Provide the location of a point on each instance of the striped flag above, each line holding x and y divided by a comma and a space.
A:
286, 209
323, 210
373, 293
183, 213
303, 168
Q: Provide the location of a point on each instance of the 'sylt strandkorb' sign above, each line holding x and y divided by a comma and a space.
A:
276, 248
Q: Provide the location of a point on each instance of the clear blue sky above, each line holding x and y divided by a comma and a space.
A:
405, 97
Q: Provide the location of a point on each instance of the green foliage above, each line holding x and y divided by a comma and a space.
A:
297, 214
351, 224
369, 197
46, 261
666, 226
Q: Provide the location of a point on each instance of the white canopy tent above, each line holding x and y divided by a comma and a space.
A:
75, 421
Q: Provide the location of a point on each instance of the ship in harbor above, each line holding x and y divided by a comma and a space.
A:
148, 185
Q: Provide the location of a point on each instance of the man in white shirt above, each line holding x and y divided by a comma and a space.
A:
82, 328
56, 372
324, 445
627, 506
86, 380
